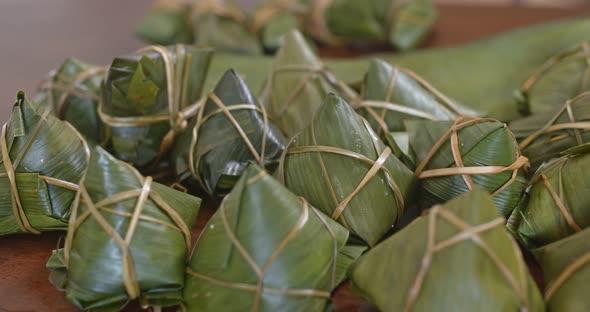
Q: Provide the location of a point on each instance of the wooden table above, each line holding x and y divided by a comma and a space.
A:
98, 30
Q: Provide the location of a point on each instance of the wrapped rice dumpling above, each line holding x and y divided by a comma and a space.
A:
341, 167
457, 258
391, 95
561, 78
457, 156
265, 249
72, 91
297, 85
127, 239
222, 24
43, 160
543, 136
557, 200
149, 96
566, 268
229, 131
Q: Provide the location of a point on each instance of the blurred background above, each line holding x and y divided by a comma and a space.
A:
37, 35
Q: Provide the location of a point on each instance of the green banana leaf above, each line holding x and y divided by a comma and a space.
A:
72, 92
543, 136
401, 24
556, 204
128, 239
167, 24
296, 85
566, 267
562, 77
400, 146
457, 258
266, 249
148, 97
482, 74
457, 156
392, 95
341, 167
43, 159
225, 26
230, 130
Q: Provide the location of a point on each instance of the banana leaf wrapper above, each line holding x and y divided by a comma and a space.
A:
399, 142
556, 203
230, 130
482, 74
266, 249
43, 160
297, 84
391, 95
544, 136
560, 78
148, 98
458, 156
566, 268
341, 167
463, 243
401, 24
73, 91
128, 238
218, 24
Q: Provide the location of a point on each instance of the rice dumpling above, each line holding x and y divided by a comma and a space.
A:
557, 201
72, 91
457, 258
391, 95
560, 78
265, 249
43, 160
149, 96
457, 156
566, 268
229, 131
128, 239
222, 24
340, 166
296, 86
543, 136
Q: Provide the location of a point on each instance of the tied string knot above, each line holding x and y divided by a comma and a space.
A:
376, 166
74, 86
581, 51
460, 169
259, 288
142, 195
227, 111
445, 104
177, 74
10, 168
467, 232
554, 125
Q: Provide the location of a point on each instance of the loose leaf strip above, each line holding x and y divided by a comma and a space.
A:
15, 166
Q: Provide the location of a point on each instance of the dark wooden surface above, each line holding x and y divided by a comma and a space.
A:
37, 35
